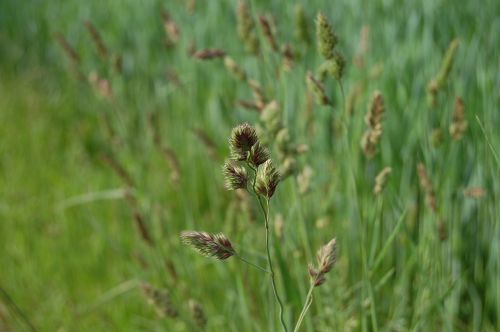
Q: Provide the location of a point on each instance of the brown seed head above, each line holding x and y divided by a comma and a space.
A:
373, 120
258, 155
208, 244
235, 177
209, 54
160, 300
459, 124
318, 89
197, 313
381, 180
268, 32
243, 137
327, 255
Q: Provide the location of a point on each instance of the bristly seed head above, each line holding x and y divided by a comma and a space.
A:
267, 179
243, 137
327, 40
160, 300
327, 255
258, 155
208, 244
235, 177
197, 313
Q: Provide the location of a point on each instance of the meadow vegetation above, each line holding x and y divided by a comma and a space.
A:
359, 142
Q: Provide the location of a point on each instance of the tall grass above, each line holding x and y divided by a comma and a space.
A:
105, 160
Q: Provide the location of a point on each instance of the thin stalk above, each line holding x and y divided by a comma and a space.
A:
251, 264
307, 304
265, 211
273, 281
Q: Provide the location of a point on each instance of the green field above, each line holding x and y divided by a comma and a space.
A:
108, 153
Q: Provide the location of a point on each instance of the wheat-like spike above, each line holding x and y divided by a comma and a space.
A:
459, 124
197, 313
438, 82
160, 299
318, 89
373, 120
302, 31
96, 37
268, 32
381, 180
238, 72
426, 185
209, 54
327, 40
246, 28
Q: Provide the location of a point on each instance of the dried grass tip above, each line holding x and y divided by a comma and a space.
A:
197, 313
373, 120
209, 54
208, 244
326, 256
381, 180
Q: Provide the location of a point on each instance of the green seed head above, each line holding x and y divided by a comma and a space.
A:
327, 40
267, 179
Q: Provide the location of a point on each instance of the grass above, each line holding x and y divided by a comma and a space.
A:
71, 258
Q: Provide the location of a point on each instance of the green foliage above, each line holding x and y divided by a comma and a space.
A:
100, 153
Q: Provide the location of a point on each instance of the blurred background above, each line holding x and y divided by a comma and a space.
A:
113, 132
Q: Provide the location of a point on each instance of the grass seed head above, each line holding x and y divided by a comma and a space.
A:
381, 180
208, 244
302, 31
327, 256
267, 179
161, 301
231, 66
235, 177
243, 137
373, 120
459, 124
327, 40
197, 313
318, 89
246, 28
268, 32
258, 155
209, 54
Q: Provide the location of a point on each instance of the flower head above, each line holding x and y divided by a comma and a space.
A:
267, 179
208, 244
243, 137
235, 176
